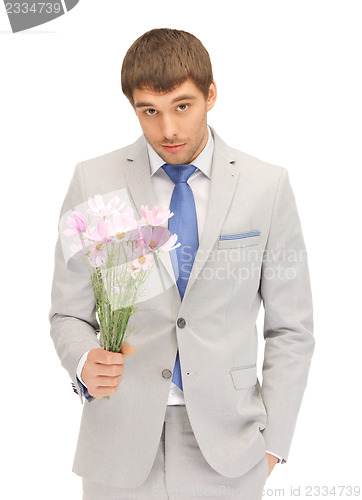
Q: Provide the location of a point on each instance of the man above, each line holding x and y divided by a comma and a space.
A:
187, 415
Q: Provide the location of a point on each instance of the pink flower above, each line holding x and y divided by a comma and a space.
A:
155, 237
134, 235
121, 224
97, 206
77, 222
156, 216
96, 255
88, 234
142, 262
103, 232
170, 244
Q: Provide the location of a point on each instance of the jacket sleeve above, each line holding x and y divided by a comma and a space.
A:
288, 321
72, 313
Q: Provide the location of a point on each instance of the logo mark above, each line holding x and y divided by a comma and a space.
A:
25, 15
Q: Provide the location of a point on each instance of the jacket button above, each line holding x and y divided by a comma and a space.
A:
181, 322
166, 373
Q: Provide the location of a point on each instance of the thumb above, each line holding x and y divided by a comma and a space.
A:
128, 349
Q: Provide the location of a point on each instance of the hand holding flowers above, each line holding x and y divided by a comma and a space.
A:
119, 252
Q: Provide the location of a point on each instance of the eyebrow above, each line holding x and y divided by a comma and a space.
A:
177, 99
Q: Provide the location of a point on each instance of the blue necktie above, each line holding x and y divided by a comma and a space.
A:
184, 224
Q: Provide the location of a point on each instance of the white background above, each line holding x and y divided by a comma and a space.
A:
289, 92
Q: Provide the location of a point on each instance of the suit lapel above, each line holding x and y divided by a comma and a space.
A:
224, 178
138, 176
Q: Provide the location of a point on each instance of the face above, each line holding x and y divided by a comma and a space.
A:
174, 123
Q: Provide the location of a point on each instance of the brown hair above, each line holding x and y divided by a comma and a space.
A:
162, 59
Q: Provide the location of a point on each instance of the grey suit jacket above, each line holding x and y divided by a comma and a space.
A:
251, 251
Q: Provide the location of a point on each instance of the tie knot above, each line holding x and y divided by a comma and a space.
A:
179, 173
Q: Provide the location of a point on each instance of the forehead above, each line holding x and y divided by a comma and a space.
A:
147, 97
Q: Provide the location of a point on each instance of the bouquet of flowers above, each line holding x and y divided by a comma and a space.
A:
119, 252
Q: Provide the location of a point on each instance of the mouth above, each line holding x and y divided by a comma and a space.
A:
174, 149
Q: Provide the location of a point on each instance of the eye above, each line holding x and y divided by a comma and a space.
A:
184, 106
150, 112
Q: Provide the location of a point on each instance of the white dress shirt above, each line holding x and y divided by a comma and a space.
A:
200, 182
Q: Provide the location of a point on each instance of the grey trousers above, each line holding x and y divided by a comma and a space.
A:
180, 471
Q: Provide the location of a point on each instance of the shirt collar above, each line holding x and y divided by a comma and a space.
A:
202, 161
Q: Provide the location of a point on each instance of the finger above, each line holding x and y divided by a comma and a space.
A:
108, 357
103, 391
103, 370
103, 381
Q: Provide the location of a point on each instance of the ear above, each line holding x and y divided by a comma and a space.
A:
210, 103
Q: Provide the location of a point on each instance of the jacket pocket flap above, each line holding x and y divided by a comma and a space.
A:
244, 377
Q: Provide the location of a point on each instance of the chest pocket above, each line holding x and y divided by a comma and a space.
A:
239, 240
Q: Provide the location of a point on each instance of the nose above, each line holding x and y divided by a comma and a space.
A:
169, 127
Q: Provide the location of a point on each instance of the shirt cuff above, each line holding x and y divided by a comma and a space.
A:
81, 362
84, 391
